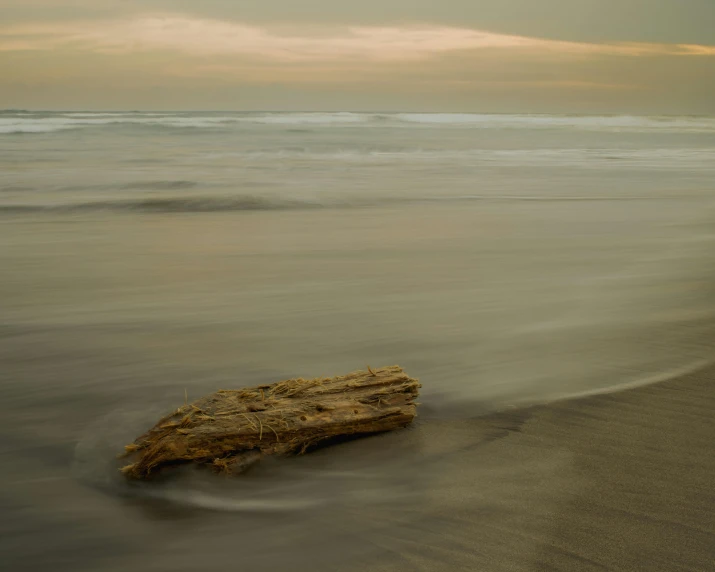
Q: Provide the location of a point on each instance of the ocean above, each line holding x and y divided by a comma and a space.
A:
505, 260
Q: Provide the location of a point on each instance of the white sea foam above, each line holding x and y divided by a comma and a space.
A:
11, 123
603, 122
665, 158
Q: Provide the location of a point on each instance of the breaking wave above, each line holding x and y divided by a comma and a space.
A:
44, 122
658, 158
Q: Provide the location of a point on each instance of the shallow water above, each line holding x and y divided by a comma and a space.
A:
503, 260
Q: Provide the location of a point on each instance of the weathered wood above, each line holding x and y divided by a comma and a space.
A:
232, 429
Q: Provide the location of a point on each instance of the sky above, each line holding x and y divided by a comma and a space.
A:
553, 56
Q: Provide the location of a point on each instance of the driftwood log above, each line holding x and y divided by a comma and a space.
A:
231, 429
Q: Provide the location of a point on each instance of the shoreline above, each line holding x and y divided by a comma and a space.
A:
620, 481
617, 481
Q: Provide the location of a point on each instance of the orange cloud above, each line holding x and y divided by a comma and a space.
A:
695, 50
192, 36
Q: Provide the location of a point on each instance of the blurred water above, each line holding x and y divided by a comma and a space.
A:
503, 260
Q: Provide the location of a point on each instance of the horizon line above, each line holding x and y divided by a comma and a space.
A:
356, 112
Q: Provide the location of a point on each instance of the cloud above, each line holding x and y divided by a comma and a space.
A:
180, 61
695, 50
205, 37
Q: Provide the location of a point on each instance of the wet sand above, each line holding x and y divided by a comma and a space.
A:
107, 321
623, 481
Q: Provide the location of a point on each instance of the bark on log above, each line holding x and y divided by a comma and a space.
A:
232, 429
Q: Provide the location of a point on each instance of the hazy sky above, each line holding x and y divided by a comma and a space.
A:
630, 56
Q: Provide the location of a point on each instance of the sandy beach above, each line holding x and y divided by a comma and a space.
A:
506, 262
620, 482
